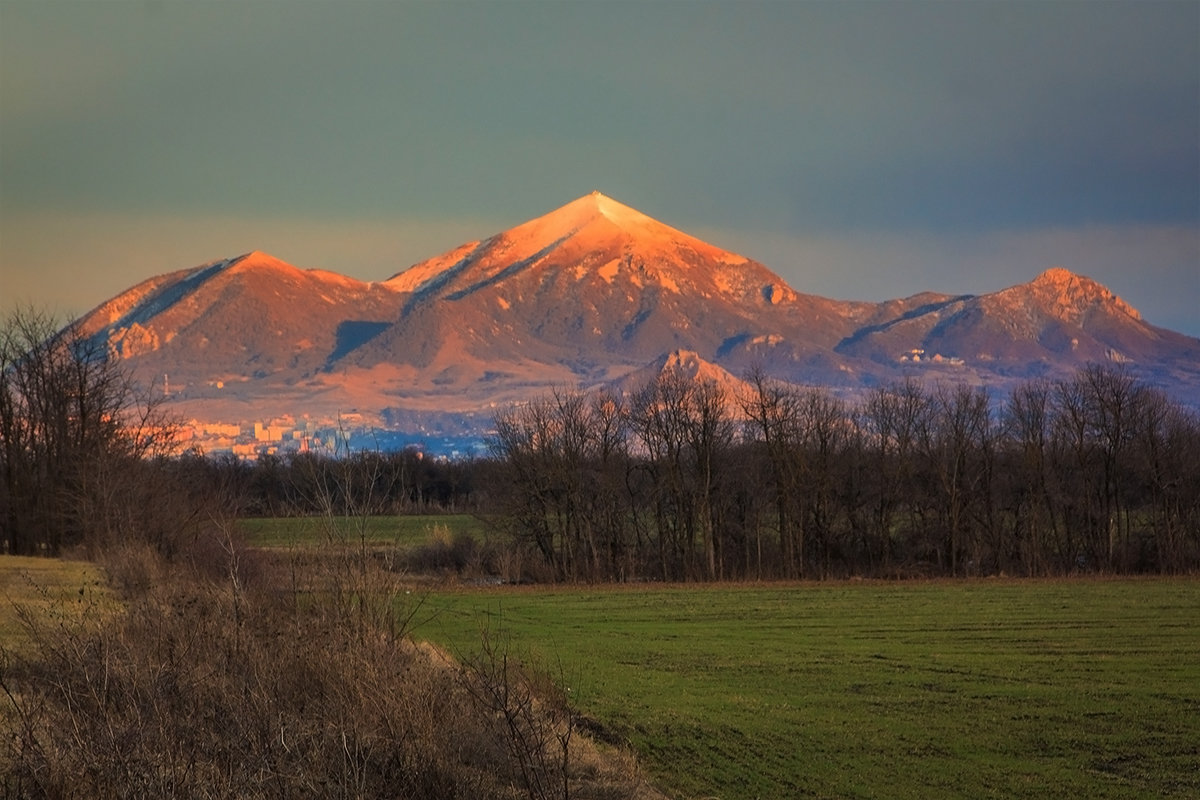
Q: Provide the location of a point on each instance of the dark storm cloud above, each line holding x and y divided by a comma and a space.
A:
790, 119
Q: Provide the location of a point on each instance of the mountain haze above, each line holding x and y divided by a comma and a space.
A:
591, 293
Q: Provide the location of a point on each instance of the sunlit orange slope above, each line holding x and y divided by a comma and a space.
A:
586, 295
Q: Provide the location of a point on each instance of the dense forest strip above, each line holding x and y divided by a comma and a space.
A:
680, 481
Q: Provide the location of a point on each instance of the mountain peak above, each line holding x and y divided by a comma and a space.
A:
598, 214
1067, 295
1056, 277
611, 209
257, 259
685, 364
596, 223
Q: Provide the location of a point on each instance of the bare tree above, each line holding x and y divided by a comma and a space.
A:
1166, 474
1027, 426
710, 435
959, 432
1114, 402
896, 416
659, 418
772, 409
73, 428
825, 428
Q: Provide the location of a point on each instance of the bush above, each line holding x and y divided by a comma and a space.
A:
455, 554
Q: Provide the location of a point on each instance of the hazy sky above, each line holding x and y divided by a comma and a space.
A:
862, 150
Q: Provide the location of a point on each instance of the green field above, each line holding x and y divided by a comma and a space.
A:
397, 531
1076, 688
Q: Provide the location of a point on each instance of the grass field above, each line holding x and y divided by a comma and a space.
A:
397, 531
51, 589
1039, 689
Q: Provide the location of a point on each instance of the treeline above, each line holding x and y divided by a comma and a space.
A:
683, 481
680, 480
88, 461
368, 482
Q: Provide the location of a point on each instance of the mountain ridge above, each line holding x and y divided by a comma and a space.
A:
585, 295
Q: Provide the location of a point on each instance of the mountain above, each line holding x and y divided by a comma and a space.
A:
251, 314
1050, 325
597, 289
685, 364
242, 332
594, 293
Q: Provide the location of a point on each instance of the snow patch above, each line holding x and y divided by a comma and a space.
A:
159, 301
668, 283
609, 270
132, 341
439, 270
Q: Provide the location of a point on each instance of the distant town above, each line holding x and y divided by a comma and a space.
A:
917, 356
349, 433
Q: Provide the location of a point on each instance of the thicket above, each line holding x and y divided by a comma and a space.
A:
405, 482
681, 481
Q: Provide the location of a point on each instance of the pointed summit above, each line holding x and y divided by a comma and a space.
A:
1055, 276
592, 235
686, 364
596, 285
596, 222
258, 260
611, 209
1071, 297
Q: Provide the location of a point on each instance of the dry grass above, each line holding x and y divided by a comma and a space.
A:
222, 675
55, 591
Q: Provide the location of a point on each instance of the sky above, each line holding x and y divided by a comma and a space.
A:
862, 150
